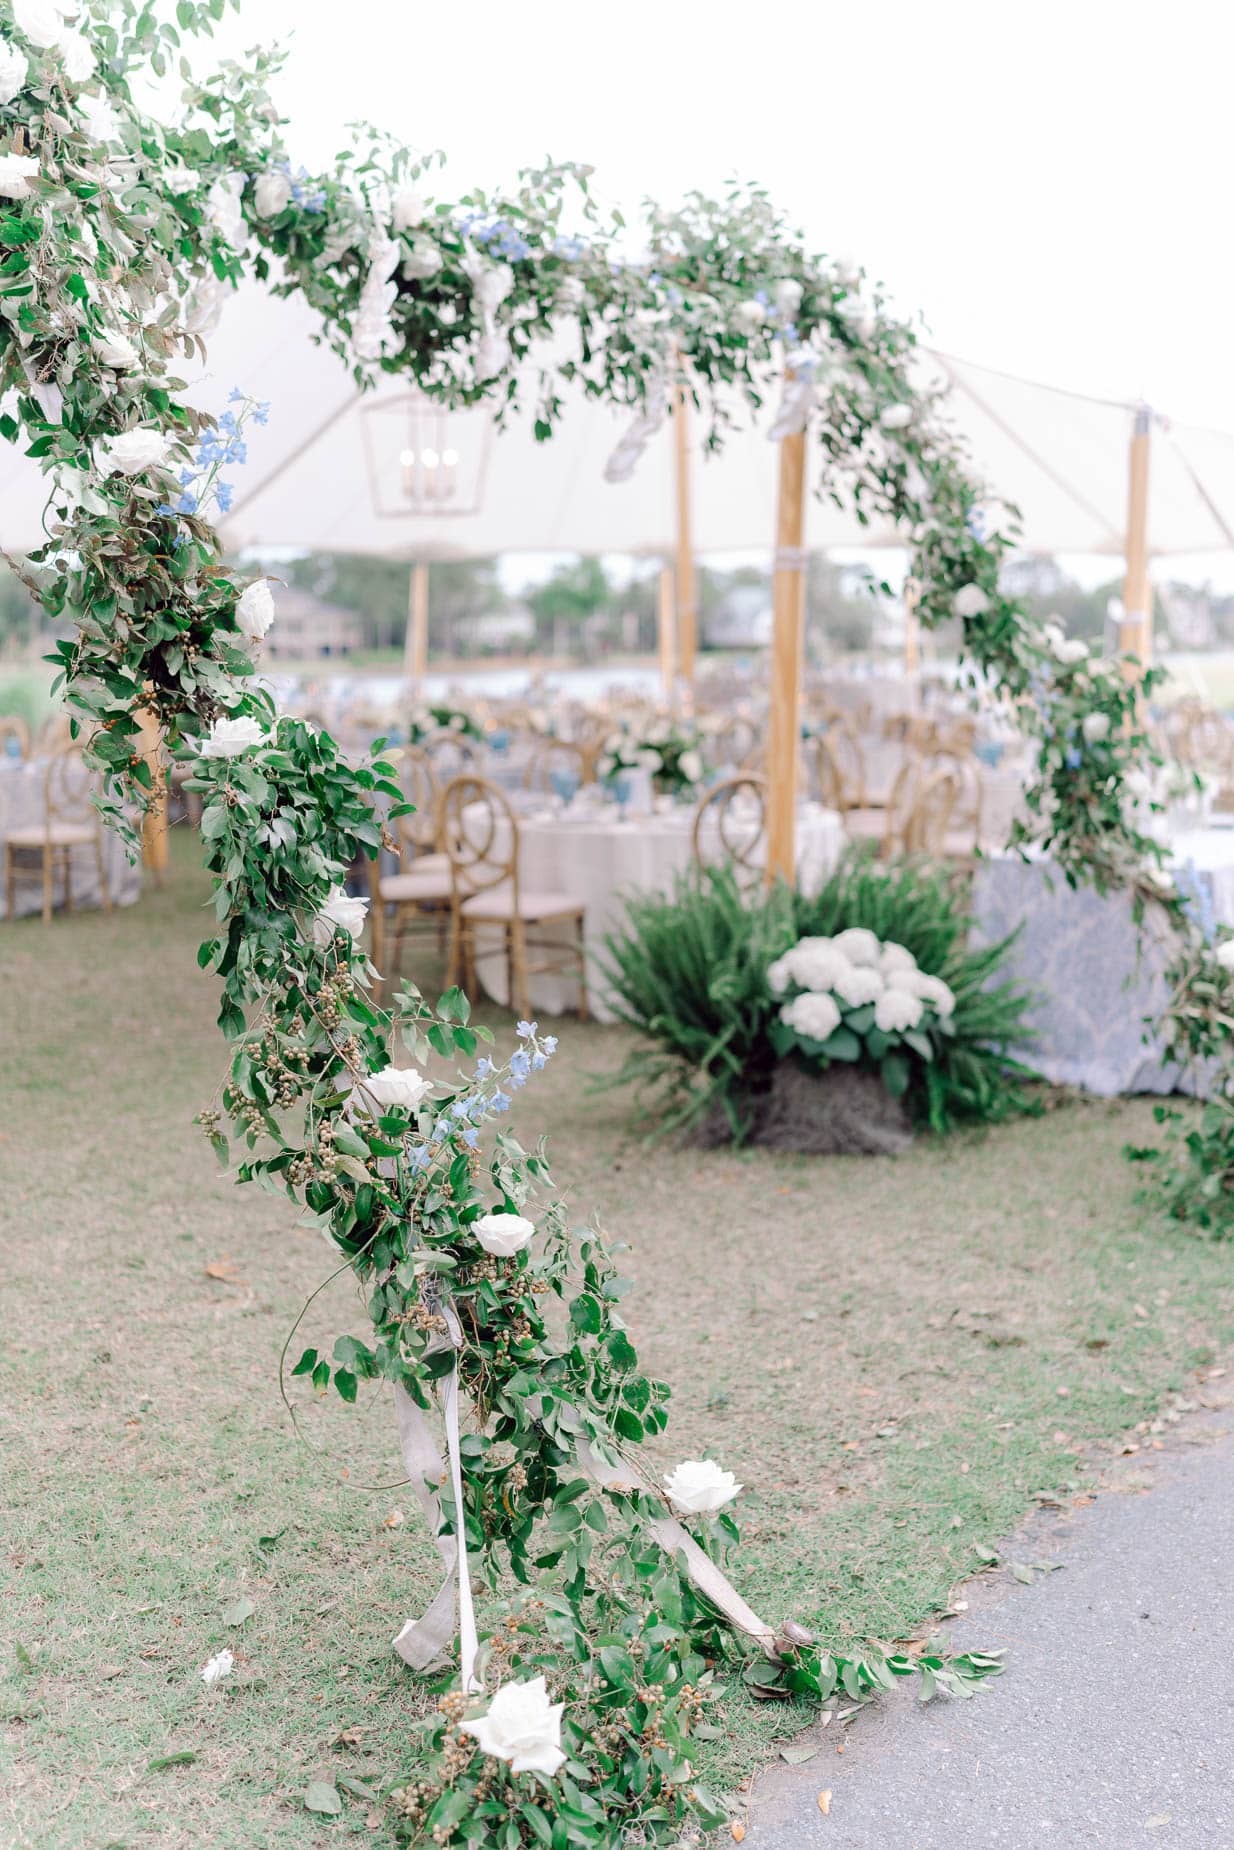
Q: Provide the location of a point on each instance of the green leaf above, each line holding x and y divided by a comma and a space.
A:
345, 1382
323, 1799
185, 1757
306, 1364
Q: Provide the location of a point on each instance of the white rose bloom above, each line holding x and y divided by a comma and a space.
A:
812, 1014
16, 172
523, 1727
698, 1486
40, 21
14, 72
229, 737
749, 315
691, 766
115, 349
340, 913
223, 209
1224, 953
271, 194
408, 208
896, 957
971, 601
502, 1235
896, 1010
76, 57
1070, 651
788, 295
398, 1087
859, 946
135, 451
101, 121
255, 610
216, 1668
859, 984
898, 417
1096, 727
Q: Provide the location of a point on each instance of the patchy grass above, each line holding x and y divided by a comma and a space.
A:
894, 1356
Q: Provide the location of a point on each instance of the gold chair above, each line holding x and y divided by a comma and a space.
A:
419, 894
554, 763
734, 814
13, 729
481, 838
69, 822
920, 809
962, 839
840, 767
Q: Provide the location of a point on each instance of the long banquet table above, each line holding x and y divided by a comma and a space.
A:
1094, 978
598, 857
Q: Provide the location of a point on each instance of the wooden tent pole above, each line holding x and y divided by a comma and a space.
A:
154, 843
666, 630
912, 630
787, 654
415, 648
687, 592
1137, 622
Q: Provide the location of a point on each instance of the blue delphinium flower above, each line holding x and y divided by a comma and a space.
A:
224, 495
499, 1102
526, 1029
484, 1067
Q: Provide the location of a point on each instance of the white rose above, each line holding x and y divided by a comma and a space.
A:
255, 610
134, 451
859, 946
340, 913
502, 1235
76, 57
749, 315
229, 737
16, 171
101, 121
698, 1486
523, 1727
1224, 953
1096, 727
971, 601
813, 1014
788, 296
14, 71
223, 208
896, 957
40, 21
691, 766
1069, 650
896, 1010
216, 1668
896, 417
859, 984
115, 349
402, 1087
408, 208
271, 194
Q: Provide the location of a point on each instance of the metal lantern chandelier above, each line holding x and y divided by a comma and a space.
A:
422, 459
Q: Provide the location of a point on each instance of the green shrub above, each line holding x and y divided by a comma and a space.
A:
689, 972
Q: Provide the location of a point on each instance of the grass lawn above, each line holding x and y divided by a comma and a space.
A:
894, 1357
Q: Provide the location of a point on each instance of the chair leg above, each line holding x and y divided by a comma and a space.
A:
47, 882
10, 883
582, 974
455, 960
100, 855
520, 1002
68, 879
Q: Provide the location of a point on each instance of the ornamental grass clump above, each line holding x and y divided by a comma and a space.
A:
874, 972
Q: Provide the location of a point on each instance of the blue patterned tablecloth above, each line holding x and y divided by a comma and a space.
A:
1095, 979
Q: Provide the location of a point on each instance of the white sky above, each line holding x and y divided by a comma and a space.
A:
1048, 185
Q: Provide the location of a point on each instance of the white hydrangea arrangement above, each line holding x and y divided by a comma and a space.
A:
670, 751
854, 997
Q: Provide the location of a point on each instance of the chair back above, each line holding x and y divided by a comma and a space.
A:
421, 831
559, 767
68, 787
840, 767
934, 799
449, 754
14, 736
730, 828
734, 741
479, 832
970, 789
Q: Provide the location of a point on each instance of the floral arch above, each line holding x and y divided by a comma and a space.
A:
120, 235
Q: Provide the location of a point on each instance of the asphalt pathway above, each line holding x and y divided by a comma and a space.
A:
1114, 1722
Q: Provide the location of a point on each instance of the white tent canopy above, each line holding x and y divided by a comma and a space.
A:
326, 473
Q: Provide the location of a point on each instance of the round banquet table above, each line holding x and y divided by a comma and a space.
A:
23, 805
1094, 981
597, 858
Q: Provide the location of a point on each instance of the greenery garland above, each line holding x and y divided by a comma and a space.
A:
118, 236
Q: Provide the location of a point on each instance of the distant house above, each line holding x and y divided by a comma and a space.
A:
306, 629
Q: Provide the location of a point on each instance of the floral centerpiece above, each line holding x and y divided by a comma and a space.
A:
429, 721
854, 997
668, 750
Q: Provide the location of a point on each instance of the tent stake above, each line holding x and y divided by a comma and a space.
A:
787, 652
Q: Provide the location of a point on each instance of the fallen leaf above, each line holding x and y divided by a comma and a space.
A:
824, 1801
323, 1798
224, 1271
357, 1788
185, 1757
394, 1520
238, 1611
1023, 1573
797, 1756
1158, 1817
738, 1829
108, 1671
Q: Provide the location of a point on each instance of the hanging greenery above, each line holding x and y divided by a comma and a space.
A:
120, 238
